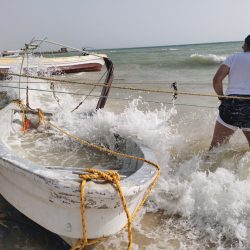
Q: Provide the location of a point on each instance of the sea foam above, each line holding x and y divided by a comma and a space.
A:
206, 59
190, 203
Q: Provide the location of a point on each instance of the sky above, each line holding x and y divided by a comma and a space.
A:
123, 23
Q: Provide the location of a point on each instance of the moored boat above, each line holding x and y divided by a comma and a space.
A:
66, 60
50, 195
10, 53
55, 195
71, 64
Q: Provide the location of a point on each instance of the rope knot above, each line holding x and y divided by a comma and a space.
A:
96, 174
109, 176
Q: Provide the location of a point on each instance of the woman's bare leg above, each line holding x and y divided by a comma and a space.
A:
221, 135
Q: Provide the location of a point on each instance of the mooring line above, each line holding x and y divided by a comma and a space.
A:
131, 88
113, 86
116, 98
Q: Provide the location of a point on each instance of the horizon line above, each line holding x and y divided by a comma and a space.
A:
153, 46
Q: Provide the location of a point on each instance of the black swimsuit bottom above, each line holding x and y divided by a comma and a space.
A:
236, 112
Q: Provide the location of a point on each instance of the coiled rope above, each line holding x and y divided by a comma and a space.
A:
95, 174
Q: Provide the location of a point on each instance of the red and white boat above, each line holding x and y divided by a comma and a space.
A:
53, 65
38, 63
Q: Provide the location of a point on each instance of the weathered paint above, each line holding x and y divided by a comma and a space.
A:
72, 64
51, 195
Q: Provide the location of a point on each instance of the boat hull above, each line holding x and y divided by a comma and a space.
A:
41, 65
39, 202
51, 196
77, 68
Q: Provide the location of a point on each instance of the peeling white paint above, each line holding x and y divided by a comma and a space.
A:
51, 195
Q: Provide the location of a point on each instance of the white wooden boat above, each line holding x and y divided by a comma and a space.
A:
50, 195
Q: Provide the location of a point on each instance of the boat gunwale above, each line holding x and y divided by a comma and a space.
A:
131, 185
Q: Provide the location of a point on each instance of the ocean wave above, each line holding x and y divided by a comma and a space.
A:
169, 49
207, 59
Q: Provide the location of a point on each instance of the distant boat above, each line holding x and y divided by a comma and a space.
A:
17, 53
10, 53
60, 51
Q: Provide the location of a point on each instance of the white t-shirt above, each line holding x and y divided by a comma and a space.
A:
239, 74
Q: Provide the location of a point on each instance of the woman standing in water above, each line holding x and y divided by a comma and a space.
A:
233, 112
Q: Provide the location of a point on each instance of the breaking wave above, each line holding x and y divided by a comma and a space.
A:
205, 60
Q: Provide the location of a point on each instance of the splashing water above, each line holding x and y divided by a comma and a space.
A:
195, 198
209, 59
201, 200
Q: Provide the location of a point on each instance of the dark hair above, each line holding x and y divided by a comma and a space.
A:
247, 40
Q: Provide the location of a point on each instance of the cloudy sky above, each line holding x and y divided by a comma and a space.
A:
123, 23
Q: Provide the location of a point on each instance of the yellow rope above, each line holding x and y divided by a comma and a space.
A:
20, 104
131, 88
23, 108
114, 178
110, 176
80, 245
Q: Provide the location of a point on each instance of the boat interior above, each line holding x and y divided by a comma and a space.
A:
49, 148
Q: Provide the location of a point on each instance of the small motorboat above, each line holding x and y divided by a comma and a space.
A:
64, 61
53, 65
50, 194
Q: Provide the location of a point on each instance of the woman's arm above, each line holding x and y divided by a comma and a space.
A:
219, 76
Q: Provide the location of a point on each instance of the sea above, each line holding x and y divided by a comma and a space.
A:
202, 199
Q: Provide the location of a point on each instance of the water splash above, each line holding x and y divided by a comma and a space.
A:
195, 199
205, 60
